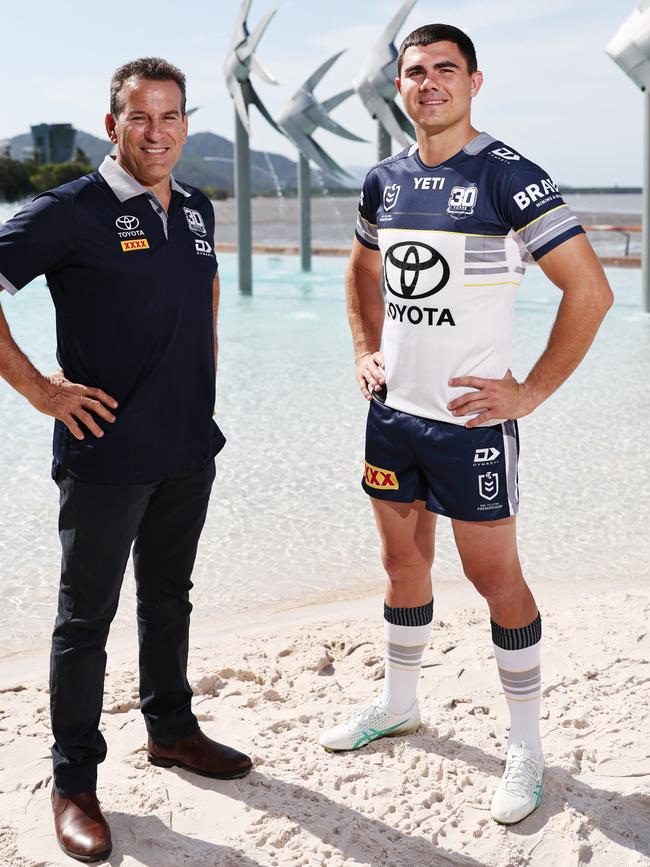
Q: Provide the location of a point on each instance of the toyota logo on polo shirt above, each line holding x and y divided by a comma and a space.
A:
127, 223
415, 270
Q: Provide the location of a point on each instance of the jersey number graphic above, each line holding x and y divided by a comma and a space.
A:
462, 201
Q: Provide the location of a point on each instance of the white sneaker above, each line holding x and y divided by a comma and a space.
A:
520, 789
369, 725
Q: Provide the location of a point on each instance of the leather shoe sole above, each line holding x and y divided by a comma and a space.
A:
87, 859
215, 775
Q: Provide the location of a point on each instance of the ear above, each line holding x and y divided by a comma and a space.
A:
398, 85
477, 82
185, 118
109, 123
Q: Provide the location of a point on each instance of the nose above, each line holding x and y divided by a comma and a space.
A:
430, 82
153, 131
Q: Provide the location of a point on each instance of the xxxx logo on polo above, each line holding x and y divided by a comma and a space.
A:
383, 480
136, 244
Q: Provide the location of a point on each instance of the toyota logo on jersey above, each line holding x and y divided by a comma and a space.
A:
127, 222
415, 270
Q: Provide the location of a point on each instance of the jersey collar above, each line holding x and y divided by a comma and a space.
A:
125, 185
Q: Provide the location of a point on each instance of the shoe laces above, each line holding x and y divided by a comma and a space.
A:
522, 772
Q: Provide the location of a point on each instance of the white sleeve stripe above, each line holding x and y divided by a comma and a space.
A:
537, 237
366, 230
7, 284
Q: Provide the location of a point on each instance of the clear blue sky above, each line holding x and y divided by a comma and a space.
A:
550, 90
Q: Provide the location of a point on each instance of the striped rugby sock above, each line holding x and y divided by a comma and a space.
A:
517, 652
406, 633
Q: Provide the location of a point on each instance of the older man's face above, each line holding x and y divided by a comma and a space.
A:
150, 129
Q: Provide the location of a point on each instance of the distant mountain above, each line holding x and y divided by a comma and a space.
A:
208, 160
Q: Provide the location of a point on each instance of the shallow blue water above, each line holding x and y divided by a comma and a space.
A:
288, 522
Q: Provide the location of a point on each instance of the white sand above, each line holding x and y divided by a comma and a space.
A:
271, 687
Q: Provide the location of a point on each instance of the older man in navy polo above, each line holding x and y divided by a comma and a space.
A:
128, 256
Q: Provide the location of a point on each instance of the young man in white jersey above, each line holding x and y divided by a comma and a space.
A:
450, 224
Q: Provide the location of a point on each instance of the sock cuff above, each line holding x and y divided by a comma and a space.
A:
421, 615
517, 639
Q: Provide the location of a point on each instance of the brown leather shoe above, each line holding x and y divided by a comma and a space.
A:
203, 756
81, 830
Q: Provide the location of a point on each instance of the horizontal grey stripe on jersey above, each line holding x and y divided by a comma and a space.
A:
492, 270
546, 228
482, 243
552, 233
8, 285
520, 270
366, 229
486, 255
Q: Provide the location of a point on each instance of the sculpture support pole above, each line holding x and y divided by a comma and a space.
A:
304, 197
645, 209
384, 145
243, 198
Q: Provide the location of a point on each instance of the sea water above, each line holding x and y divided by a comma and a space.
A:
288, 521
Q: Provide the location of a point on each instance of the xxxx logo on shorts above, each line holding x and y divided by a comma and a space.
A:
136, 244
383, 480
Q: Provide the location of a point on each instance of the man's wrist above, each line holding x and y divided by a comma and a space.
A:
533, 395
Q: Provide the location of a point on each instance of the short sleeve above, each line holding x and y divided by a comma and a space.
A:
39, 239
538, 213
366, 226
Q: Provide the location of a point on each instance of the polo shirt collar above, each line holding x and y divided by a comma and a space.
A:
125, 185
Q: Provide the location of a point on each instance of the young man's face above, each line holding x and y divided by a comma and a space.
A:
150, 130
436, 86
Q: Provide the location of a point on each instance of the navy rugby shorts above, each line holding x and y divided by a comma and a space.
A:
467, 474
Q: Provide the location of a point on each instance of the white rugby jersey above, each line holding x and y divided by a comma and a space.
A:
454, 240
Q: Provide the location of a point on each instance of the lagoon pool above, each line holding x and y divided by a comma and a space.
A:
288, 522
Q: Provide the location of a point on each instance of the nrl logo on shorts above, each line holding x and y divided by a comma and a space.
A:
391, 192
488, 486
195, 222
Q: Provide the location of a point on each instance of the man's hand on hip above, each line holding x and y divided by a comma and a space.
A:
72, 403
493, 399
370, 372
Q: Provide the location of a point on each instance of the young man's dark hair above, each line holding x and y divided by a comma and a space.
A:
149, 68
430, 33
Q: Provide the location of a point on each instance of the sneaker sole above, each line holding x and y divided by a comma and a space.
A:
399, 734
515, 821
171, 763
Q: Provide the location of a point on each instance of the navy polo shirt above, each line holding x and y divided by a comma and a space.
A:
132, 289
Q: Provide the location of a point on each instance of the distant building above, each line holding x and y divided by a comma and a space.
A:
53, 142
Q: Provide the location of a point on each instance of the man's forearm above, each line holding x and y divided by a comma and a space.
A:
365, 306
576, 324
15, 368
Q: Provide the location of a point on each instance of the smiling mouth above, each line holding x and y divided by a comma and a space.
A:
155, 151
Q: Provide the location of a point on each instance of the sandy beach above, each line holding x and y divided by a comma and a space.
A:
270, 687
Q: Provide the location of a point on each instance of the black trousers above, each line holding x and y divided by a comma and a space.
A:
97, 526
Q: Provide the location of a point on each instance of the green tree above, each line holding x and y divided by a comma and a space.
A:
80, 156
50, 175
15, 182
